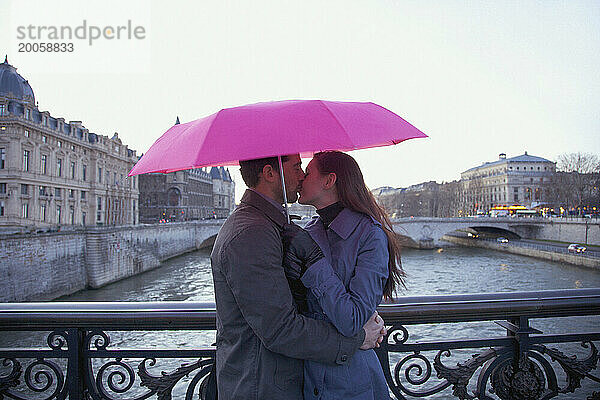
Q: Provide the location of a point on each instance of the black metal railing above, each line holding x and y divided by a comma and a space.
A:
77, 359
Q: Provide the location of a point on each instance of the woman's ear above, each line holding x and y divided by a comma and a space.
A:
330, 181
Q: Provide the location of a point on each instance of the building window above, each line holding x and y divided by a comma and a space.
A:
72, 170
44, 139
2, 158
84, 172
83, 215
57, 192
72, 148
99, 175
58, 214
44, 164
83, 195
71, 194
72, 215
27, 115
42, 212
26, 160
59, 167
2, 188
1, 209
25, 210
26, 133
59, 144
107, 177
115, 178
45, 122
43, 191
2, 109
24, 189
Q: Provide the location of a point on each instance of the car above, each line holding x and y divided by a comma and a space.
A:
576, 248
502, 239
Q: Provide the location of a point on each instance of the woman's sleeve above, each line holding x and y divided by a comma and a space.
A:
350, 309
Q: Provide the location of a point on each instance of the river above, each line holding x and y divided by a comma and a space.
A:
449, 271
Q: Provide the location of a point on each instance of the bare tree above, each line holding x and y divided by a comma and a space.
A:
576, 182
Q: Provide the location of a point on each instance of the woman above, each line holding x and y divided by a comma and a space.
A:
357, 239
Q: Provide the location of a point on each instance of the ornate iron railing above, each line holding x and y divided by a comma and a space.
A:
79, 361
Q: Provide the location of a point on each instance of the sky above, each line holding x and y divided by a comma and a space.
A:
478, 77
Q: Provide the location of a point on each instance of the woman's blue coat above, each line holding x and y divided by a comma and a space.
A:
345, 288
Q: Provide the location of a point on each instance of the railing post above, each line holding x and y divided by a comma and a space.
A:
76, 363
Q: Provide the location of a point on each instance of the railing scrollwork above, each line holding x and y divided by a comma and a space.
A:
79, 359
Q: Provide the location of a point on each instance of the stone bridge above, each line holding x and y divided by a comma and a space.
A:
424, 232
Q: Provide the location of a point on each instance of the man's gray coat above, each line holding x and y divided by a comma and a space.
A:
261, 338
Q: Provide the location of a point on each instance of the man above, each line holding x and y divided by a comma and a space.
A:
261, 338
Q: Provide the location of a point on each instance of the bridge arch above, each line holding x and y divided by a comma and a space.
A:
486, 231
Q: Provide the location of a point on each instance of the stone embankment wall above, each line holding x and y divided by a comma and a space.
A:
575, 259
579, 231
46, 266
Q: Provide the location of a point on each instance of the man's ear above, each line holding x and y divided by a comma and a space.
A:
330, 181
269, 174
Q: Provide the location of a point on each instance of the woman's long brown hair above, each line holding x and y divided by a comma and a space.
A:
355, 195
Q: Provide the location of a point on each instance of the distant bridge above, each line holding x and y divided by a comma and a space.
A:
427, 232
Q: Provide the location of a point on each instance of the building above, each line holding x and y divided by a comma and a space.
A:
520, 180
177, 196
55, 173
427, 199
223, 192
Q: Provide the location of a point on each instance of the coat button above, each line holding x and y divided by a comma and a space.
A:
316, 392
344, 358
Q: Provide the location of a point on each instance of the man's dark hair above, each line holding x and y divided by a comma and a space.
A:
251, 169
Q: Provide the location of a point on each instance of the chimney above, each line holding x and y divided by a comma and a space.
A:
502, 156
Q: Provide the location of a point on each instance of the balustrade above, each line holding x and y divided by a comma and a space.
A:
79, 360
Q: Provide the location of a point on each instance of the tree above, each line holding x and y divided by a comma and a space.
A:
576, 182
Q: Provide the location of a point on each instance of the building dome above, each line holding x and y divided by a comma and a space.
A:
14, 85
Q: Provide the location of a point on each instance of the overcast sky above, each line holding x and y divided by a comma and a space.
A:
480, 78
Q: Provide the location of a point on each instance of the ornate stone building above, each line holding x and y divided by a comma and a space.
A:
520, 180
178, 196
223, 192
55, 173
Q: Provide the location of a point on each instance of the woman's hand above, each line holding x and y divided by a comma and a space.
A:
374, 332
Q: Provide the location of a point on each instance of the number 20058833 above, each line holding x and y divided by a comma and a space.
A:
46, 47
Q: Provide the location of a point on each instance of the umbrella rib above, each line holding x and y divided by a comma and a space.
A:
338, 122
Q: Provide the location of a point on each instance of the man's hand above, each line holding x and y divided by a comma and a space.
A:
300, 251
374, 332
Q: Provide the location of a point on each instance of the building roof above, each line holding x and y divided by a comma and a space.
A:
220, 173
14, 85
522, 158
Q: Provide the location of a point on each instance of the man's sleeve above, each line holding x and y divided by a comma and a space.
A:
252, 265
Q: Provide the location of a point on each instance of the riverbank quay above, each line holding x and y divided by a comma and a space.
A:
527, 250
509, 349
44, 266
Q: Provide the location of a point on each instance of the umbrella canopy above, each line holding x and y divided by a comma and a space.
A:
271, 129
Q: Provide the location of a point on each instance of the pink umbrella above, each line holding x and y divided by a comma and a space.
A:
273, 129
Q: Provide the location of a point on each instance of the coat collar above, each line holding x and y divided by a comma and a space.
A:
253, 199
345, 223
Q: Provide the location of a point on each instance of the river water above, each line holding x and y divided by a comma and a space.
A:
449, 271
